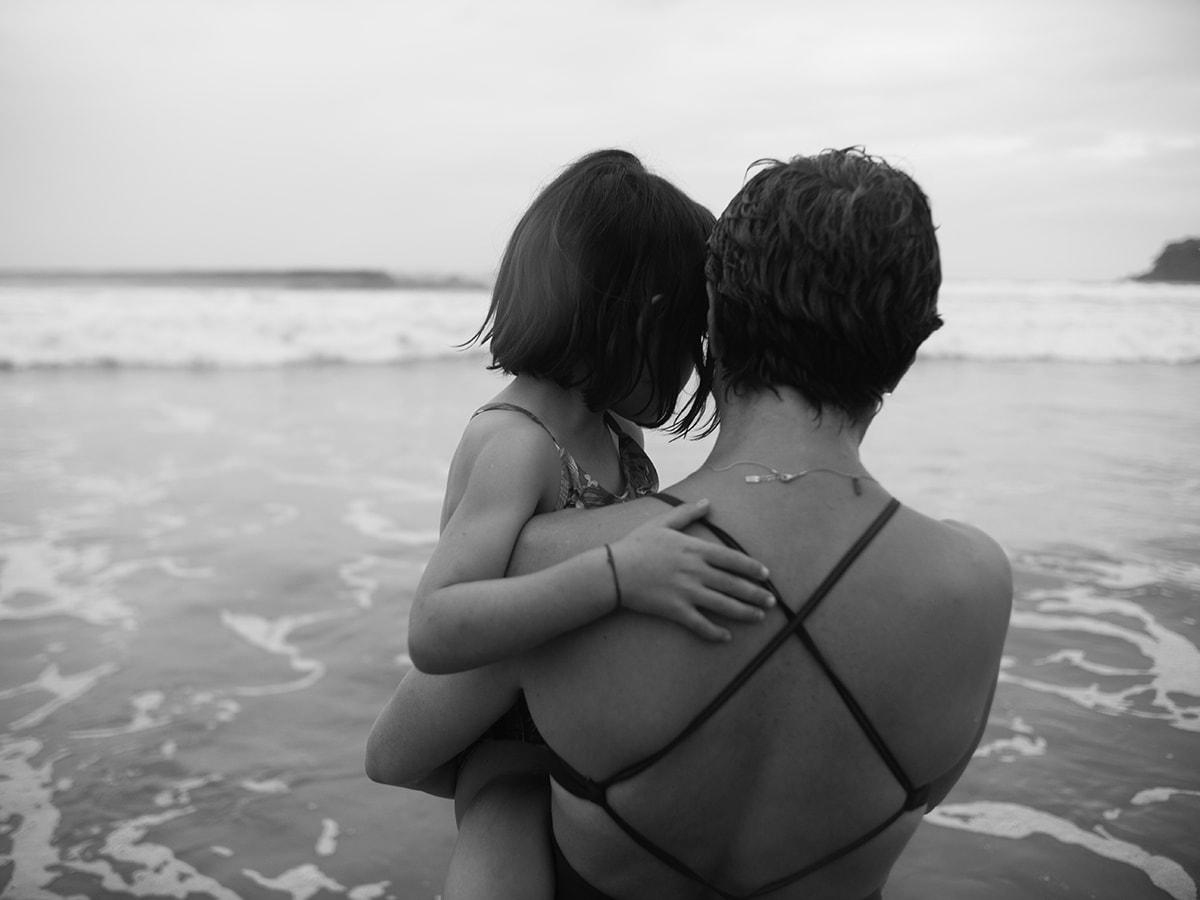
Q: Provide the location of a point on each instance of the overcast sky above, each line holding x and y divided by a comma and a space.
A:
1056, 138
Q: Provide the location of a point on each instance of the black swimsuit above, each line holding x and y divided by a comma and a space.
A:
570, 884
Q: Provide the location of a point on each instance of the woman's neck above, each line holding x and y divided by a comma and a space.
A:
784, 432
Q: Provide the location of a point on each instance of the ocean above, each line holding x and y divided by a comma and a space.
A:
114, 325
215, 504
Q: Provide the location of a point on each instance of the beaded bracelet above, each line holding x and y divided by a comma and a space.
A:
616, 581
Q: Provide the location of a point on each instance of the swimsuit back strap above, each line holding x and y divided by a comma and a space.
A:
597, 791
666, 858
913, 795
566, 776
590, 790
834, 855
512, 407
768, 649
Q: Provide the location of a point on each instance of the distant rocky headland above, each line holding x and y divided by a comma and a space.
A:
1178, 262
315, 279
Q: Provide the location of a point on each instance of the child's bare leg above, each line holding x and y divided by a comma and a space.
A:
502, 804
503, 848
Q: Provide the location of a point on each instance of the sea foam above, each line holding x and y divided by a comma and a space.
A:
1014, 821
232, 327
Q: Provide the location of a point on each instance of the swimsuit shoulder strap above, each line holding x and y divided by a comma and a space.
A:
512, 407
571, 478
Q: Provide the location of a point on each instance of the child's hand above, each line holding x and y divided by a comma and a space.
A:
664, 572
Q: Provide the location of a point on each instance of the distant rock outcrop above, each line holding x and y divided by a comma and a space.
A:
1179, 262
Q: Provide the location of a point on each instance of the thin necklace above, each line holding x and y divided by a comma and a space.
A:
785, 477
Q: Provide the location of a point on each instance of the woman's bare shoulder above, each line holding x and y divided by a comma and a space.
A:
955, 567
982, 556
975, 569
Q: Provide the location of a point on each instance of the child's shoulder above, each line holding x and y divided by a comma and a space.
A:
502, 453
505, 436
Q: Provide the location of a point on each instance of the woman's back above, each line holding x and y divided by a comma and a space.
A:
783, 780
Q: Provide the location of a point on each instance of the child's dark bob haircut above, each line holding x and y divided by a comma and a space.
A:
602, 283
825, 271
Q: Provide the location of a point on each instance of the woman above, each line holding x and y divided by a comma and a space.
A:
797, 759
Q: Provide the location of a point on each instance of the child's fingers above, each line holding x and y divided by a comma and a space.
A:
743, 593
721, 557
682, 516
692, 619
716, 602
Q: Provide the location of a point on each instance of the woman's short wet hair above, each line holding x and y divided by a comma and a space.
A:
825, 273
602, 280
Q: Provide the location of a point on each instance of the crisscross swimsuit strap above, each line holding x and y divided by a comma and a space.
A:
915, 795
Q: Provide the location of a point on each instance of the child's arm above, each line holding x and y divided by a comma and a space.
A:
466, 614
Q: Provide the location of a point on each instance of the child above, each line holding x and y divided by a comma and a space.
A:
599, 312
